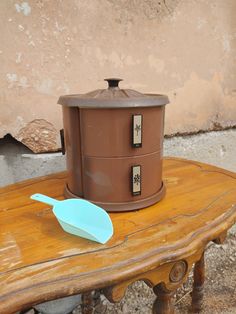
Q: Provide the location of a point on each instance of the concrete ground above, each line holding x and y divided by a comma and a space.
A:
217, 148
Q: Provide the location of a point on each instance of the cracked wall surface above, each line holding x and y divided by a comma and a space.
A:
183, 48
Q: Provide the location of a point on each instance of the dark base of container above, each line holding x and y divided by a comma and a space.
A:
124, 207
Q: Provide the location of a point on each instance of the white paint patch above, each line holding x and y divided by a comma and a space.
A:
222, 153
18, 7
59, 27
11, 79
24, 8
20, 120
23, 82
226, 43
31, 43
45, 86
18, 57
28, 34
21, 28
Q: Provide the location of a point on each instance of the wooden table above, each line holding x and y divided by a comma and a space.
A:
159, 244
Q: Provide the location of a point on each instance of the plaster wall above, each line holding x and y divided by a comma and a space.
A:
183, 48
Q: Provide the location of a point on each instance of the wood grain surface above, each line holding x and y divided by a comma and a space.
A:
39, 261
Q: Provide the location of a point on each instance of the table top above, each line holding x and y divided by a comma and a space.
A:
39, 261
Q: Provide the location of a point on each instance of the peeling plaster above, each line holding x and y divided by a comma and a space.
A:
38, 135
11, 79
14, 81
23, 8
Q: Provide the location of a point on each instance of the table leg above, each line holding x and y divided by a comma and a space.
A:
163, 303
199, 277
91, 303
87, 303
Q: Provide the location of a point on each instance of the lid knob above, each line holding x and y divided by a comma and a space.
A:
113, 82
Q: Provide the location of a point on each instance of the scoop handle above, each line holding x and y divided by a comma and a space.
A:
44, 199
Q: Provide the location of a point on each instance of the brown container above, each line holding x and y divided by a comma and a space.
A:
113, 142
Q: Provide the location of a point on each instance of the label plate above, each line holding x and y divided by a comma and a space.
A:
136, 180
137, 130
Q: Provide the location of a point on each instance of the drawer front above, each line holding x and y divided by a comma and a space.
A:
121, 132
121, 179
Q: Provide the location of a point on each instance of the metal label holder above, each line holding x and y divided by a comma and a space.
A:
137, 126
136, 180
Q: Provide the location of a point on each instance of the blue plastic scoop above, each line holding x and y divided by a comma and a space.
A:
80, 217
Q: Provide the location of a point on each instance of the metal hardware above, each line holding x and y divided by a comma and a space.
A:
63, 150
113, 82
137, 121
178, 271
136, 180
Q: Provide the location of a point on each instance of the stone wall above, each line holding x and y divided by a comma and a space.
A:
183, 48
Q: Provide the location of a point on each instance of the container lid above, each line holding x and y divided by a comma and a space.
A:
113, 97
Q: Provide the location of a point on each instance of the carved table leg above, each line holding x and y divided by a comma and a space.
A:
163, 303
199, 276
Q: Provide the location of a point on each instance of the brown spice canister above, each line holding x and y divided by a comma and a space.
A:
114, 143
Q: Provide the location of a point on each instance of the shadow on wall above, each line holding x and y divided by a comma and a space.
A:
18, 162
10, 146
